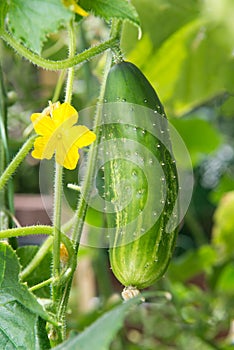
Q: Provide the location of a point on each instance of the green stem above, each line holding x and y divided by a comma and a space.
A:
62, 64
82, 208
71, 71
83, 203
68, 97
59, 180
58, 187
57, 225
42, 284
26, 230
59, 85
86, 188
19, 157
6, 195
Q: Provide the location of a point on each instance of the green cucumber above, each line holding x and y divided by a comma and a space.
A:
141, 184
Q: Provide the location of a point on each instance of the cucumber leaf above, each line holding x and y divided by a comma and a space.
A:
199, 135
106, 9
22, 321
183, 268
191, 67
225, 283
101, 333
31, 21
223, 228
3, 12
163, 17
190, 61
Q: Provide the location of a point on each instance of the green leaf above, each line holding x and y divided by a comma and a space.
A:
199, 136
100, 334
3, 11
163, 17
195, 342
225, 185
191, 67
225, 282
192, 263
31, 21
21, 324
223, 228
106, 9
40, 273
227, 109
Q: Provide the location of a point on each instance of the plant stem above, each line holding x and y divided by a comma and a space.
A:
71, 71
62, 64
41, 284
26, 230
59, 85
86, 188
57, 226
56, 289
19, 157
83, 203
6, 195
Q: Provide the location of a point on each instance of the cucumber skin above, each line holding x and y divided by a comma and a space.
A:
144, 260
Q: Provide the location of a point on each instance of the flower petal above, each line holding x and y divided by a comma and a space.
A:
35, 116
80, 11
67, 156
41, 148
43, 125
73, 6
84, 136
65, 112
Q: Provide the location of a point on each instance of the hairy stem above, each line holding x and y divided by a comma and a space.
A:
83, 203
56, 289
57, 226
41, 284
26, 230
19, 157
62, 64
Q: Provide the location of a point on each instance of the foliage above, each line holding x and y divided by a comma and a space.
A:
21, 323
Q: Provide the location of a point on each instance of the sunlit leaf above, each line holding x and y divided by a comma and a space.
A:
30, 21
191, 67
192, 263
225, 283
227, 109
3, 11
199, 135
222, 234
159, 19
121, 9
226, 184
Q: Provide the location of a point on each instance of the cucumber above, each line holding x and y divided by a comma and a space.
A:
140, 179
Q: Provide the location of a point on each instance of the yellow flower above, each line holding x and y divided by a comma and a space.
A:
58, 134
73, 6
